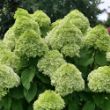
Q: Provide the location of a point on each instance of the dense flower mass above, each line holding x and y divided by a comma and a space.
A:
50, 62
49, 55
78, 19
66, 37
98, 38
43, 20
49, 100
9, 39
8, 79
99, 79
56, 23
20, 13
67, 79
23, 24
10, 59
30, 45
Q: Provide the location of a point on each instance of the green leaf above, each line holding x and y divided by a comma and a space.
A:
17, 105
17, 93
100, 58
73, 104
27, 76
86, 57
6, 102
31, 93
106, 105
30, 107
89, 105
98, 99
43, 78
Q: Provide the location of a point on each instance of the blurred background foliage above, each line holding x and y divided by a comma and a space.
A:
54, 8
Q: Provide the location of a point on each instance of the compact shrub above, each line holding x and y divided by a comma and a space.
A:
62, 65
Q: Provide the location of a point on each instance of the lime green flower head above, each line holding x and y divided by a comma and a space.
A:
56, 23
66, 38
9, 58
2, 46
98, 38
78, 19
30, 44
67, 79
23, 24
9, 39
49, 100
21, 12
8, 79
50, 62
99, 80
43, 20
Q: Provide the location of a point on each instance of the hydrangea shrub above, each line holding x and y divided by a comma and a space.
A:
64, 65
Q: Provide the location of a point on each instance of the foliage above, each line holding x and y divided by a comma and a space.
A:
65, 68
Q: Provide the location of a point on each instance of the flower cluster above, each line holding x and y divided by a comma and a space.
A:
30, 44
9, 39
9, 58
50, 62
99, 79
20, 13
79, 20
98, 38
25, 22
56, 23
49, 100
66, 38
43, 20
8, 79
67, 79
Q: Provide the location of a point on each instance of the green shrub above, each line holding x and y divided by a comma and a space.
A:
54, 66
